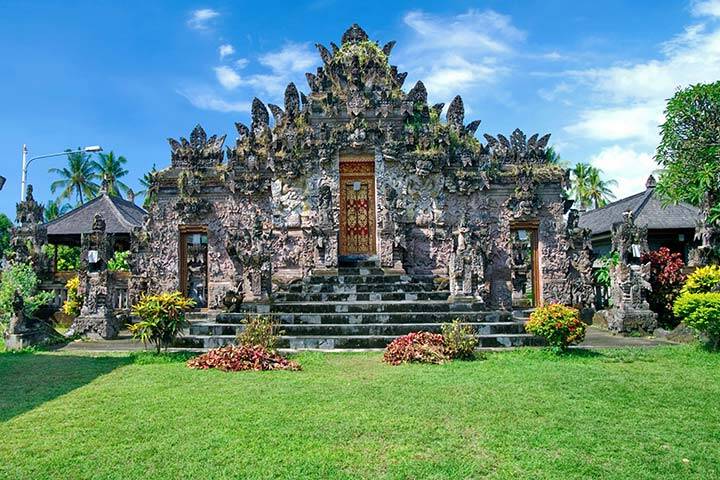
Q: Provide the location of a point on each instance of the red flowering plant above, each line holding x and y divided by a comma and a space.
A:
416, 347
666, 279
559, 325
234, 358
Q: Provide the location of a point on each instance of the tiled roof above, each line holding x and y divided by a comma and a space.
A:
648, 210
121, 216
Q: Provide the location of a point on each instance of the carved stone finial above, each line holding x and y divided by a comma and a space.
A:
418, 94
98, 223
651, 182
354, 34
29, 194
456, 113
388, 48
260, 117
130, 195
292, 100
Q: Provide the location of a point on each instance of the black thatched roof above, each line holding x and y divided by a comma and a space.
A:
121, 216
648, 210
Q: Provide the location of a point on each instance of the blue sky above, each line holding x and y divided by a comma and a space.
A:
127, 75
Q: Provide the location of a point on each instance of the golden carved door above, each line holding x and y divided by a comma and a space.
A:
357, 206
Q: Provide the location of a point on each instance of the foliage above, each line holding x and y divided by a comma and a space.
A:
701, 311
78, 178
703, 280
602, 274
588, 188
54, 210
416, 347
6, 226
21, 277
559, 325
110, 169
119, 261
689, 150
74, 301
68, 258
666, 279
162, 318
459, 339
149, 184
236, 358
259, 332
554, 158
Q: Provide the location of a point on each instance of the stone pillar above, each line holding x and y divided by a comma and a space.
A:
629, 280
28, 239
96, 319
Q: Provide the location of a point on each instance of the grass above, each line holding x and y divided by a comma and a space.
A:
523, 414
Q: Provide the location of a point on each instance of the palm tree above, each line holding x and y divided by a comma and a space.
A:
599, 191
76, 178
553, 157
55, 210
579, 184
149, 187
110, 169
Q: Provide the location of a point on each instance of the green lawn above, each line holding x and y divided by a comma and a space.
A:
524, 414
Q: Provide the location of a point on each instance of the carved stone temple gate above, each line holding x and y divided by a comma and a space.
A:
358, 169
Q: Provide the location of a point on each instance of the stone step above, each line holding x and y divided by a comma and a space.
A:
348, 329
357, 271
364, 279
364, 307
359, 288
360, 297
329, 342
370, 317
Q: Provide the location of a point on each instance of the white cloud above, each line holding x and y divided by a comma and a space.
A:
226, 50
629, 167
455, 54
200, 19
636, 123
626, 101
293, 57
241, 63
208, 100
710, 8
228, 77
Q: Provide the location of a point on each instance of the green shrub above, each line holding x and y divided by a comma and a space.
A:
162, 318
559, 325
602, 274
68, 258
703, 280
701, 311
460, 340
21, 277
74, 301
119, 261
259, 332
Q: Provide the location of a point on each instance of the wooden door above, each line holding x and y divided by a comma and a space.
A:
194, 265
357, 207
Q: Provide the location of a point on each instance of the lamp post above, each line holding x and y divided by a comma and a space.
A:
26, 162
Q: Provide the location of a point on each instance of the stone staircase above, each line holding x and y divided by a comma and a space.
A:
361, 307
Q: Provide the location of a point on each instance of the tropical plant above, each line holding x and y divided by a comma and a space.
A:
149, 184
579, 184
559, 325
54, 210
701, 311
21, 277
459, 339
236, 358
162, 318
553, 157
599, 191
666, 279
259, 331
68, 257
689, 149
74, 302
6, 226
703, 280
607, 262
110, 169
77, 178
119, 261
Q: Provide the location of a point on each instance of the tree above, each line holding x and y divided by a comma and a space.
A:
55, 210
689, 149
579, 184
110, 170
78, 178
149, 188
6, 226
553, 157
599, 191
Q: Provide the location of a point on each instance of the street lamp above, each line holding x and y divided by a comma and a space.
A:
26, 162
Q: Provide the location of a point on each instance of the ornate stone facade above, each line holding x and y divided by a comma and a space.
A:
284, 199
